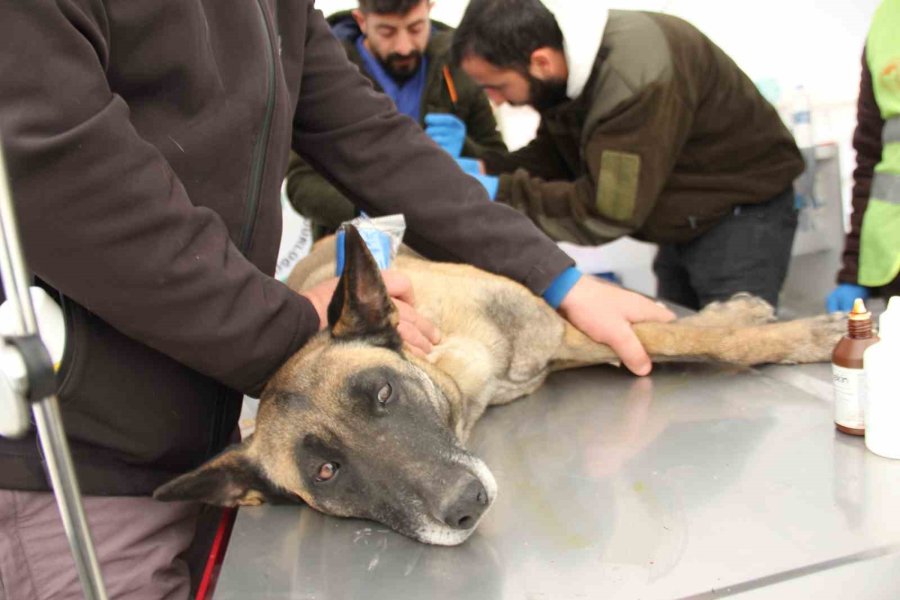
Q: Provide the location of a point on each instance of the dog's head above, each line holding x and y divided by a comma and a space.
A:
355, 426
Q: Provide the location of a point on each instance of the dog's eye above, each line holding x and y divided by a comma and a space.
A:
327, 472
385, 393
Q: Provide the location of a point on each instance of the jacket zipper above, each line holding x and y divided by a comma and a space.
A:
451, 86
256, 174
259, 152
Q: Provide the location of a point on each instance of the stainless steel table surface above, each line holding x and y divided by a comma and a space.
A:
701, 481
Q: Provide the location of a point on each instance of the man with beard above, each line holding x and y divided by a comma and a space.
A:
406, 55
648, 129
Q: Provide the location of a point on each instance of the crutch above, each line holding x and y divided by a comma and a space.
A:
27, 378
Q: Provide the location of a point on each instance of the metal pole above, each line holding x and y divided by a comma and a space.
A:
46, 411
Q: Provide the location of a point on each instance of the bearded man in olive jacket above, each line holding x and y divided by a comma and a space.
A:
647, 129
406, 55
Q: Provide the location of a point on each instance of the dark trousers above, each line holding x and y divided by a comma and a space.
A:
748, 251
140, 544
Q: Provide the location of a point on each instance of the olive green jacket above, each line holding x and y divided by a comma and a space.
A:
666, 138
324, 205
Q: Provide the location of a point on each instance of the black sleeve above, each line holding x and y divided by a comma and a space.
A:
105, 219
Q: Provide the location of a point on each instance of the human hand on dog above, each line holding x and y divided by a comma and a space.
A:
417, 332
606, 312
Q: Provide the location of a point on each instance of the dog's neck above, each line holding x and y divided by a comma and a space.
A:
463, 371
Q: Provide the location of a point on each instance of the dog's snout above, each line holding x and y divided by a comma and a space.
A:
466, 506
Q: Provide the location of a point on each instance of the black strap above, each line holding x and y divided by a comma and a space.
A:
39, 365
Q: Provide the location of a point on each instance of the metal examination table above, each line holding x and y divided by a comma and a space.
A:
701, 481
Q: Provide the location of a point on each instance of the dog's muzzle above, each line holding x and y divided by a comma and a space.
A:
471, 495
465, 502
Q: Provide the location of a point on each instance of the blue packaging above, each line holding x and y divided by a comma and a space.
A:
378, 242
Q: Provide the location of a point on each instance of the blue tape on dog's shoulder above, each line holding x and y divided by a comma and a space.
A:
378, 242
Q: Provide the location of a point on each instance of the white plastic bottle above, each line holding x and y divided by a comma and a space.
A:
801, 118
881, 363
800, 105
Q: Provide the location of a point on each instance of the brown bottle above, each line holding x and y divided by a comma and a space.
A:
847, 371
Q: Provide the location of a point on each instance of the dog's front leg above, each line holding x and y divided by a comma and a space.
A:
800, 341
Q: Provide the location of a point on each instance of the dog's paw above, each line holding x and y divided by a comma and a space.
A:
815, 338
741, 310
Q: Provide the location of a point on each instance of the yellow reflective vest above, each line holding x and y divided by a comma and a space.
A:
879, 253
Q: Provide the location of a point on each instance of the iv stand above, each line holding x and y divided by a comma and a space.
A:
35, 383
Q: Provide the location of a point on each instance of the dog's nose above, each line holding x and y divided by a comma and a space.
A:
465, 507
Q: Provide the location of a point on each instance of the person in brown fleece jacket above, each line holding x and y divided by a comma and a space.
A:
648, 129
146, 144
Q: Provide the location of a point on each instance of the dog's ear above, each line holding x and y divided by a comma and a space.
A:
361, 307
229, 479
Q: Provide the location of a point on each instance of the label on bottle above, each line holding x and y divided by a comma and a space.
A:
849, 396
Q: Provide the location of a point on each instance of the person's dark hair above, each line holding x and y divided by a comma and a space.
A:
505, 32
388, 7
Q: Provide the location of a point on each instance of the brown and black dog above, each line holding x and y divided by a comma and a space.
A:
355, 426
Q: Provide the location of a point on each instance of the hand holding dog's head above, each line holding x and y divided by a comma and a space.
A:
354, 426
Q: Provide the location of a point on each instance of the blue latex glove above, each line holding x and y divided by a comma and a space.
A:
489, 182
472, 166
447, 131
841, 299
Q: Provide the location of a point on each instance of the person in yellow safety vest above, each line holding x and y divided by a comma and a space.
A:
871, 260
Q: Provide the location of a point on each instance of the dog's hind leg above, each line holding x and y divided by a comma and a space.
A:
800, 341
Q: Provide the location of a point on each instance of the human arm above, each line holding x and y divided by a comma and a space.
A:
868, 145
628, 157
539, 157
356, 138
606, 312
104, 214
314, 197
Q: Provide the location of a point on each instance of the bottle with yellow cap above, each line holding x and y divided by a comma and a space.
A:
847, 371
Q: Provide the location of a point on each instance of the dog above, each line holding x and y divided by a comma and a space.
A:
354, 425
